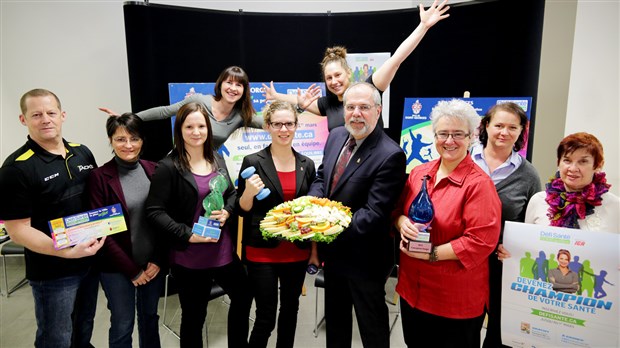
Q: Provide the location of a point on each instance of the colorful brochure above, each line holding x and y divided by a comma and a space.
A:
71, 230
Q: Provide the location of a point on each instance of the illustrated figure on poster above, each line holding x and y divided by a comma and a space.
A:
416, 148
563, 278
576, 267
599, 280
527, 264
552, 262
365, 72
356, 74
587, 279
541, 267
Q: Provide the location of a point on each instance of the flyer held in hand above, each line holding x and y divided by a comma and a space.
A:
73, 229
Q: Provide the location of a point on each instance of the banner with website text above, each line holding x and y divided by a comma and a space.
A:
416, 137
310, 135
561, 287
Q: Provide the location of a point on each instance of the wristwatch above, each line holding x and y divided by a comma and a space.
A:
299, 109
432, 257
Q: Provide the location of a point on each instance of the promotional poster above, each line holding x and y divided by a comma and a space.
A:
310, 135
417, 136
365, 64
560, 287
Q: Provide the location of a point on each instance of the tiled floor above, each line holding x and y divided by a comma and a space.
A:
18, 326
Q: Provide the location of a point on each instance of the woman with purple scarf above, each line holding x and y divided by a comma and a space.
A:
578, 196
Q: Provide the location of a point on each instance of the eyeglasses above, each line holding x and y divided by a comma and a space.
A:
288, 125
123, 140
363, 107
455, 135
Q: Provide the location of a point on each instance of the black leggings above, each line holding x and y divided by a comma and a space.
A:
264, 279
194, 285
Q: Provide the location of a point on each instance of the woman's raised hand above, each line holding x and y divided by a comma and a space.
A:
307, 98
434, 14
270, 91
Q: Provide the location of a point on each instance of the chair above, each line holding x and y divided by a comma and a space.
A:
394, 300
216, 291
11, 248
319, 282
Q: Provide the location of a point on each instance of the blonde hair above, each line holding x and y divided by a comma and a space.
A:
336, 54
37, 92
278, 105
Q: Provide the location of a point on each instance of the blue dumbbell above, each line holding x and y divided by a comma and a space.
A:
248, 172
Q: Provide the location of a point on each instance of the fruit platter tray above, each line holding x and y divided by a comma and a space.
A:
306, 218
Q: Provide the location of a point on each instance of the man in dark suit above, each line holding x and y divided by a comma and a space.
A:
364, 169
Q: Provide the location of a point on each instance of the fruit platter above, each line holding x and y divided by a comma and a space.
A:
306, 218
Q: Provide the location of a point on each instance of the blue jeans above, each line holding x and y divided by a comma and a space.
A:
85, 310
54, 304
124, 300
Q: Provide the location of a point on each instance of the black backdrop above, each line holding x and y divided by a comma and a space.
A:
490, 48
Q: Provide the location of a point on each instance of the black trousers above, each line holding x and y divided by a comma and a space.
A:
420, 329
367, 296
194, 287
264, 281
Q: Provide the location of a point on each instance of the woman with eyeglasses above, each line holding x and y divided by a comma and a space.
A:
130, 262
338, 75
502, 133
181, 182
578, 195
562, 278
228, 110
275, 267
448, 288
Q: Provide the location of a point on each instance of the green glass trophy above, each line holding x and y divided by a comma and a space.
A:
205, 226
215, 199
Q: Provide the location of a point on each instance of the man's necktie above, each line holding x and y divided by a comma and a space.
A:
342, 161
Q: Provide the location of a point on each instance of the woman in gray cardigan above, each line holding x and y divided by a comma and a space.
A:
228, 110
503, 132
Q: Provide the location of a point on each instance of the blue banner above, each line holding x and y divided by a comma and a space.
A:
417, 137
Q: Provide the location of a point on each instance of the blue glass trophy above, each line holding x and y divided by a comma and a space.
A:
421, 212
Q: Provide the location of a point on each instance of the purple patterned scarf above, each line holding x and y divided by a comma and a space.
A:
566, 208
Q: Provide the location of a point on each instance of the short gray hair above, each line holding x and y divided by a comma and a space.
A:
376, 96
458, 109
